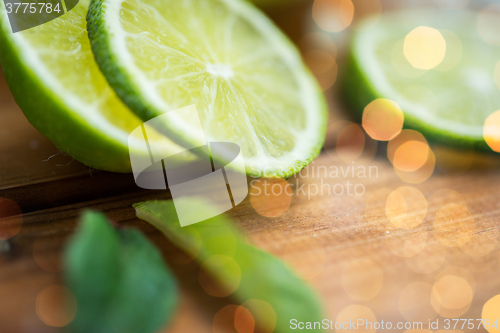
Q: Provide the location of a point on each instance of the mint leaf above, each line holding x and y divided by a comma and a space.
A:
118, 278
256, 274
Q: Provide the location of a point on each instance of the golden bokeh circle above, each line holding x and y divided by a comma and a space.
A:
491, 131
383, 119
354, 312
406, 207
412, 167
411, 156
333, 15
491, 312
56, 306
270, 197
452, 292
424, 47
403, 137
415, 302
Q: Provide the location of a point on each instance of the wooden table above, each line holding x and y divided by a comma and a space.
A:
344, 245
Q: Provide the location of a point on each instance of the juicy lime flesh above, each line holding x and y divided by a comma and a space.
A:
63, 47
454, 97
200, 52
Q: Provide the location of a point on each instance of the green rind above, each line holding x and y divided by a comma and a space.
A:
357, 91
125, 88
45, 111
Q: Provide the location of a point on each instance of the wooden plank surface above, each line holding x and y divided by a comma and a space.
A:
344, 246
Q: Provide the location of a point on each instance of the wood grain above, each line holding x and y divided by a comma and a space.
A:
320, 235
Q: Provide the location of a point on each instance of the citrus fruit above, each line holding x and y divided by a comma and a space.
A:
51, 72
435, 66
245, 77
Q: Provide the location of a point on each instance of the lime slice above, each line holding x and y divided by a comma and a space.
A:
246, 79
435, 66
52, 74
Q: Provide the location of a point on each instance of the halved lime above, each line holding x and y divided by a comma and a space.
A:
246, 79
434, 65
52, 74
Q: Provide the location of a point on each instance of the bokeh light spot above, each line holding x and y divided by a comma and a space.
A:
491, 312
415, 302
229, 273
11, 218
491, 131
406, 207
354, 312
264, 315
333, 15
424, 47
403, 159
270, 198
319, 61
452, 292
56, 306
351, 143
383, 119
362, 279
411, 156
224, 320
243, 320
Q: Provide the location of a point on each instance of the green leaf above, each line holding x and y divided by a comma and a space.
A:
119, 280
256, 274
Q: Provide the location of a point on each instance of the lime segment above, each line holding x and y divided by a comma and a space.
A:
246, 79
52, 74
434, 66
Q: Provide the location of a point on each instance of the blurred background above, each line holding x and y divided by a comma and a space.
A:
421, 244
